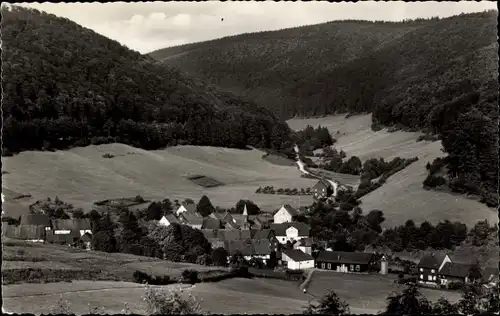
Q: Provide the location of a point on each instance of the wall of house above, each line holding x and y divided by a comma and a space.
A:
426, 275
341, 267
163, 221
85, 231
282, 216
62, 231
304, 249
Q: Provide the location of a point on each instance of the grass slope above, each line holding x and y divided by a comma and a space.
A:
82, 176
402, 197
366, 291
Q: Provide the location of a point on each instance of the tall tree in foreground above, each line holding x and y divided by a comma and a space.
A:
330, 304
409, 302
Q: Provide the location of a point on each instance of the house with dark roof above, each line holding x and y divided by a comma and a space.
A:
285, 214
322, 190
429, 267
168, 219
348, 262
290, 231
211, 223
37, 220
454, 272
250, 248
33, 233
66, 226
192, 219
70, 238
296, 259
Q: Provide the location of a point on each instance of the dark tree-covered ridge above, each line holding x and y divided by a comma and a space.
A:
65, 85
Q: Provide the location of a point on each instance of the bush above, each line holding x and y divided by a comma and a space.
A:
144, 278
190, 276
171, 303
456, 286
108, 155
30, 275
433, 181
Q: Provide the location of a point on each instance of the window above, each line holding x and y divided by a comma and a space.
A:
421, 269
433, 271
434, 278
351, 267
358, 268
322, 265
329, 266
429, 277
422, 276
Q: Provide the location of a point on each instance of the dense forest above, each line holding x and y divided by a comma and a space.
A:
435, 75
65, 85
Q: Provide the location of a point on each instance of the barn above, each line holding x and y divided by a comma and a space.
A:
341, 261
297, 260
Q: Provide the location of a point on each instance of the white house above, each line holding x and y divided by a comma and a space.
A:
290, 231
286, 214
185, 207
168, 220
296, 259
66, 226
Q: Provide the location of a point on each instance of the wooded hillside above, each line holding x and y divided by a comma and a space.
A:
65, 85
435, 75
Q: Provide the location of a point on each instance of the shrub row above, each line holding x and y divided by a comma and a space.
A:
141, 277
30, 275
283, 191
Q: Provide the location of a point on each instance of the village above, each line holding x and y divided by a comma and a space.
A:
280, 240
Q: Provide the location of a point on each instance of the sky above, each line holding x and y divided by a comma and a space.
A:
147, 26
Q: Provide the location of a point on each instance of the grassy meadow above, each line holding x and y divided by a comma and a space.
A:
367, 292
402, 197
81, 175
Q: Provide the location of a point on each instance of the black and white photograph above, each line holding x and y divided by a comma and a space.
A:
250, 157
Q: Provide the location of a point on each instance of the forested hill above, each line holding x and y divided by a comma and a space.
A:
436, 75
346, 66
65, 85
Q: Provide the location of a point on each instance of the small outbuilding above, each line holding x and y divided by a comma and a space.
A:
297, 259
341, 261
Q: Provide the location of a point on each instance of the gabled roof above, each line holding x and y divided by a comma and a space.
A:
211, 223
36, 219
297, 255
171, 218
345, 257
190, 207
431, 261
248, 247
70, 224
322, 184
190, 218
262, 233
455, 269
280, 229
289, 209
262, 247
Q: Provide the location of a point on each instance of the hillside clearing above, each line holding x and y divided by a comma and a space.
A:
81, 175
402, 197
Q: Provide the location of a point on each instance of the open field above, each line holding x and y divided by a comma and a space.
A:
366, 291
260, 296
81, 175
65, 258
402, 197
